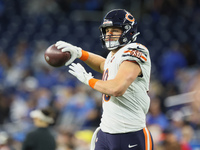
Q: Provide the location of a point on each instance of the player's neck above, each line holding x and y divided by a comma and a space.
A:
115, 51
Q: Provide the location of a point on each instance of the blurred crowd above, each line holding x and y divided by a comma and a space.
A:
170, 29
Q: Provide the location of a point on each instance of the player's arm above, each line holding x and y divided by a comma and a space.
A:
127, 73
96, 62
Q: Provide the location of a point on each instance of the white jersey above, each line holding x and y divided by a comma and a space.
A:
127, 113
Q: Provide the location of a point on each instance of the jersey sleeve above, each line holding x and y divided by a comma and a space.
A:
136, 52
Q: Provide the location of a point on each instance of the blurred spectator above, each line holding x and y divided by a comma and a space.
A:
185, 79
156, 88
75, 111
4, 141
157, 134
187, 137
170, 141
94, 115
20, 57
43, 98
177, 123
65, 140
41, 138
155, 115
171, 61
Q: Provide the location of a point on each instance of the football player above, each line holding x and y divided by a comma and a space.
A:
124, 85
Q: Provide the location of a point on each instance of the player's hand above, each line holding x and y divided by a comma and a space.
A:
67, 47
79, 71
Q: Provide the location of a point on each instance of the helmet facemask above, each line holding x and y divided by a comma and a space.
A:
111, 45
112, 41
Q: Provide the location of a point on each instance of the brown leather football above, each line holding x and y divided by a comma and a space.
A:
55, 57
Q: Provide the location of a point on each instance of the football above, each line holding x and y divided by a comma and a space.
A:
55, 57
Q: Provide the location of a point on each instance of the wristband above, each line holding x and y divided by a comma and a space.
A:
84, 55
92, 82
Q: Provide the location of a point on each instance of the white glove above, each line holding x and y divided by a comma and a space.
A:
66, 47
79, 71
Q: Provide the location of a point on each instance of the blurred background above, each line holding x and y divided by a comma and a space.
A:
170, 29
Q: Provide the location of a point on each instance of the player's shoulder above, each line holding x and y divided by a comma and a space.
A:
135, 47
135, 51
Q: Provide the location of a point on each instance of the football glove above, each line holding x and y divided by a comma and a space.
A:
79, 71
75, 51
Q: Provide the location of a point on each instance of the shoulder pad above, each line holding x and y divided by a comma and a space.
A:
137, 46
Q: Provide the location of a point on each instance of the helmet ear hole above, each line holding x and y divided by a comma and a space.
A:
125, 40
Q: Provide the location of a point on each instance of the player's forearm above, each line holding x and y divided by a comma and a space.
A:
95, 62
111, 87
127, 73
